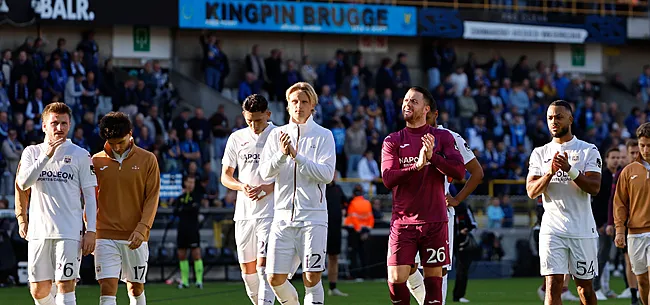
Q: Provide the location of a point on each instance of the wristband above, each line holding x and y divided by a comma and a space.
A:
573, 173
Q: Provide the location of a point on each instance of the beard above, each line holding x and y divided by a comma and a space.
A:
561, 133
415, 117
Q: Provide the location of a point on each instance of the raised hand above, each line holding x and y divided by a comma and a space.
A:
429, 142
561, 161
53, 145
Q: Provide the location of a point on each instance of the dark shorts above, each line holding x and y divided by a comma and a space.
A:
430, 240
188, 239
334, 239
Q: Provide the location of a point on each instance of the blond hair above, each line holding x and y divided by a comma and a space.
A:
307, 89
57, 108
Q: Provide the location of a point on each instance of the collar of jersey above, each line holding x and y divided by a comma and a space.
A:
303, 127
565, 144
263, 131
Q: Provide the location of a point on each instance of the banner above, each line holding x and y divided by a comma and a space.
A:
306, 17
521, 26
107, 13
519, 32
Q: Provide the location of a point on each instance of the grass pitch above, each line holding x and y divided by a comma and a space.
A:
519, 291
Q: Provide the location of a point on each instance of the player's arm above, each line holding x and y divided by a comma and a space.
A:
589, 181
151, 197
228, 179
537, 182
31, 167
272, 158
21, 199
475, 177
450, 163
391, 173
321, 170
621, 204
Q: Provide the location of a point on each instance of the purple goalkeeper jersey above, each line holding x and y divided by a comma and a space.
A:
419, 196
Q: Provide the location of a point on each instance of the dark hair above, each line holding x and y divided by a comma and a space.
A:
188, 177
631, 142
428, 97
114, 125
643, 131
255, 103
611, 150
562, 103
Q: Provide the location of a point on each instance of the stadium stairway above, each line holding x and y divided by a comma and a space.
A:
196, 93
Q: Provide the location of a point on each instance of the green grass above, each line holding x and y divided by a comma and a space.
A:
520, 291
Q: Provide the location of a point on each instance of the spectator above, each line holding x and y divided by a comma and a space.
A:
35, 107
400, 65
229, 200
497, 67
79, 139
5, 102
20, 89
508, 212
12, 149
4, 126
371, 103
290, 76
201, 130
342, 68
108, 83
220, 132
466, 107
62, 53
147, 75
355, 145
377, 212
328, 105
459, 81
385, 76
89, 100
360, 221
156, 124
470, 69
76, 66
247, 87
91, 132
483, 102
189, 148
144, 140
38, 56
307, 71
143, 96
161, 78
495, 214
73, 92
255, 65
328, 75
273, 66
6, 66
369, 173
644, 83
212, 63
336, 201
32, 136
519, 98
521, 70
364, 72
339, 134
23, 67
400, 85
432, 61
518, 131
59, 77
90, 50
389, 109
172, 153
448, 59
353, 86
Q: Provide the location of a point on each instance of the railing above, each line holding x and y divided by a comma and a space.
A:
635, 8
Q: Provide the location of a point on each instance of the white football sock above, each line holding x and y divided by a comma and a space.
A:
315, 295
139, 300
48, 300
444, 289
67, 298
252, 284
415, 283
286, 294
265, 293
107, 300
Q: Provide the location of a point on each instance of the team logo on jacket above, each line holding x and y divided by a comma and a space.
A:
67, 159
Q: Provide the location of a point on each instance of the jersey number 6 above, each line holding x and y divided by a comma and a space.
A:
436, 256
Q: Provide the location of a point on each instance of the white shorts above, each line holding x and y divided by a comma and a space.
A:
638, 248
564, 255
450, 230
252, 238
53, 259
309, 243
114, 259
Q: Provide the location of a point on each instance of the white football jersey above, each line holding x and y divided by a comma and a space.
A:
243, 151
567, 208
467, 154
55, 206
